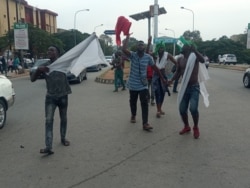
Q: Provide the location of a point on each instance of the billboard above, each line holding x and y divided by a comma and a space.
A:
21, 36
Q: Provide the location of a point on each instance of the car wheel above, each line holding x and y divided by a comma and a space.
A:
2, 114
79, 80
246, 81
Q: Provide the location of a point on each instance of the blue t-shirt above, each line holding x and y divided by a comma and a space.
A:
138, 71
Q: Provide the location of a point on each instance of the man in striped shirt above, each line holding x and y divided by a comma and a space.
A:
137, 81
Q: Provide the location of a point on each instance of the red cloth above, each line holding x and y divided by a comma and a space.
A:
149, 72
122, 25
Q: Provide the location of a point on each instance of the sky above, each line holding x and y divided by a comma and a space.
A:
213, 18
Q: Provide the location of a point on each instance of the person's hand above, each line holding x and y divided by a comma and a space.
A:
150, 40
170, 82
43, 69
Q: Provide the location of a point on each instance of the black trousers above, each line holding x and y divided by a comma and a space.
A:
144, 103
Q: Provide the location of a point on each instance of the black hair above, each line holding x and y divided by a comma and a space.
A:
57, 49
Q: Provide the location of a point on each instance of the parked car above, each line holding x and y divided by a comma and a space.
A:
109, 59
82, 76
228, 59
38, 63
7, 98
94, 68
246, 78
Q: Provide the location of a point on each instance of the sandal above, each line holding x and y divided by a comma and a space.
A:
46, 151
162, 113
65, 142
147, 127
158, 114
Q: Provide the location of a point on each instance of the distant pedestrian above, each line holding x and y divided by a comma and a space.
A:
10, 65
4, 66
16, 64
118, 65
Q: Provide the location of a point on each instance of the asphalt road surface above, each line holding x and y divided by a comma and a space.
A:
107, 151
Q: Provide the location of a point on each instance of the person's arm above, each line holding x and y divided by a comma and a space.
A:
199, 56
172, 59
149, 44
125, 46
39, 70
176, 75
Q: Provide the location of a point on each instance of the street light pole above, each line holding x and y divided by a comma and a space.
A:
97, 26
75, 22
192, 13
174, 40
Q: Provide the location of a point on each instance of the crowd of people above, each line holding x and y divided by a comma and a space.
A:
147, 81
10, 65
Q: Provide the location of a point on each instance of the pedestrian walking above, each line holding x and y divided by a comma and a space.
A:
137, 81
58, 89
188, 68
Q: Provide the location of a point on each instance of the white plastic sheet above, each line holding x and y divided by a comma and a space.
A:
85, 54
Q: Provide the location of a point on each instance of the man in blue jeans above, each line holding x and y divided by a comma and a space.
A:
137, 81
191, 92
57, 96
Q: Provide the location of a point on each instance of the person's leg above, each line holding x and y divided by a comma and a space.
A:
116, 81
50, 107
175, 86
63, 106
122, 81
183, 109
144, 105
133, 104
144, 109
194, 103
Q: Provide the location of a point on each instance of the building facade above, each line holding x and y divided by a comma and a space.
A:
12, 11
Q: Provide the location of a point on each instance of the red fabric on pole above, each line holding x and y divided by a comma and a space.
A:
122, 25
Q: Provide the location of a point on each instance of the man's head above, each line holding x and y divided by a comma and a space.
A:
160, 48
186, 49
53, 52
140, 46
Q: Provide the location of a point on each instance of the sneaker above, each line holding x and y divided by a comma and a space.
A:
147, 127
132, 120
116, 90
186, 129
196, 132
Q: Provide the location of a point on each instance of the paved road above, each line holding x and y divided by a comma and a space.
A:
107, 151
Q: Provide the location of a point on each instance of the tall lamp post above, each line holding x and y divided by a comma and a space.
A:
192, 13
75, 22
174, 40
97, 26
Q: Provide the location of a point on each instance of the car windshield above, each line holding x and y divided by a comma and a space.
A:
230, 55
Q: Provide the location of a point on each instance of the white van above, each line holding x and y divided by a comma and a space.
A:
227, 59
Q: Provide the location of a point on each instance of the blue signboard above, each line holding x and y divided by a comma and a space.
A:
109, 32
168, 40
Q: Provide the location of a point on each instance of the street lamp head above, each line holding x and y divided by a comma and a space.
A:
182, 7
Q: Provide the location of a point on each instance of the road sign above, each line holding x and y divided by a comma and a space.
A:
109, 32
164, 39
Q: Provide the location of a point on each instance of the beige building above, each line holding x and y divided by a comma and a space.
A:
12, 11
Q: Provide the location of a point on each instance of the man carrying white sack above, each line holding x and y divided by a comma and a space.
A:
188, 67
